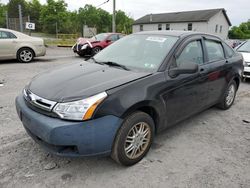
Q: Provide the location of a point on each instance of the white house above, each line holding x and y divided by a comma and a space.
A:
214, 21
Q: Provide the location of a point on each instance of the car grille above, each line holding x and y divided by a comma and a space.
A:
247, 73
39, 104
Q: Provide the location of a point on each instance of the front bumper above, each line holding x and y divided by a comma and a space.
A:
69, 138
77, 48
246, 72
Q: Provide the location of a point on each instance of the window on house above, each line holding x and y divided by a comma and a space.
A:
220, 28
167, 26
190, 26
159, 26
216, 28
141, 27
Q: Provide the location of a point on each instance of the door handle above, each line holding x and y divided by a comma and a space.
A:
202, 70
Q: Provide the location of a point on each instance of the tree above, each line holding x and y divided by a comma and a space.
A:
34, 8
13, 8
2, 15
123, 22
241, 32
55, 12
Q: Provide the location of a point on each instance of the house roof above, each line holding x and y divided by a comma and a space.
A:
187, 16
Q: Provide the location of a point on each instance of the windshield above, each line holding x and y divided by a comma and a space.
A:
244, 47
100, 37
141, 52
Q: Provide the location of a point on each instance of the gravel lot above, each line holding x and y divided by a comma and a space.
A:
211, 149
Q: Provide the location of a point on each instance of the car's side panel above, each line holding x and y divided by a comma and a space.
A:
7, 48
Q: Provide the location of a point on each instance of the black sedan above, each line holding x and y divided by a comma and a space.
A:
115, 103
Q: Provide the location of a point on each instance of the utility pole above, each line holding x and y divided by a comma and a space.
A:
113, 18
7, 20
20, 18
56, 30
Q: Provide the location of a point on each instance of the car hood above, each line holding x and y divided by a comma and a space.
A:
80, 80
85, 40
246, 56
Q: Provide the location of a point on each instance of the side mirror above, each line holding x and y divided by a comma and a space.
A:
107, 41
184, 68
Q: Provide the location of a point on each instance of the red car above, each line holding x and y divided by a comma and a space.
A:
91, 46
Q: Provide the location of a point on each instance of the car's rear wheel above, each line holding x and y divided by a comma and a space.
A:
134, 139
25, 55
96, 50
229, 96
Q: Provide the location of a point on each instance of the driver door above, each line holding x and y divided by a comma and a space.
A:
7, 45
188, 96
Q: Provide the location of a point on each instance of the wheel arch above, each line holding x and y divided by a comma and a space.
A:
148, 108
22, 47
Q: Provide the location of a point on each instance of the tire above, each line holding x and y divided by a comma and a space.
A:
96, 50
140, 125
25, 55
228, 96
81, 55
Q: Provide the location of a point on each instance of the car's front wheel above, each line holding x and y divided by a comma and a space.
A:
25, 55
96, 50
229, 96
134, 139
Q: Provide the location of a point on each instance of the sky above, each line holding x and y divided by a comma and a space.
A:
237, 10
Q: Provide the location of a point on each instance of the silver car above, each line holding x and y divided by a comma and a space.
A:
16, 45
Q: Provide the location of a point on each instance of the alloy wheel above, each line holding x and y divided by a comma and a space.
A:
137, 140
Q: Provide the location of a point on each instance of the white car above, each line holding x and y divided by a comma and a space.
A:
16, 45
244, 49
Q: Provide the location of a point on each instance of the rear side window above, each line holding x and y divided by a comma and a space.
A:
229, 51
191, 53
214, 50
6, 35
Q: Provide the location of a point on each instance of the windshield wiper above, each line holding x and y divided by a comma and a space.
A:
101, 63
243, 51
114, 64
110, 63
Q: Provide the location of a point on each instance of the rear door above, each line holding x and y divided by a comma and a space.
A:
218, 68
7, 45
188, 96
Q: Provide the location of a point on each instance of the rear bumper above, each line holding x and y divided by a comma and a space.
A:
69, 138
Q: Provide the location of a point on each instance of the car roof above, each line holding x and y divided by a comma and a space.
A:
175, 33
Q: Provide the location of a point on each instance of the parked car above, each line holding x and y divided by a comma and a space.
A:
244, 49
115, 103
16, 45
91, 46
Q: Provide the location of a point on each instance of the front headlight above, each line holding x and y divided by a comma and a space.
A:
84, 46
79, 110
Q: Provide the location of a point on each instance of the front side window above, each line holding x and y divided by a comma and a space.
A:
113, 38
190, 27
214, 50
138, 52
191, 53
100, 37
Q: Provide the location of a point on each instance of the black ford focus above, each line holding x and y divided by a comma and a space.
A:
115, 103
